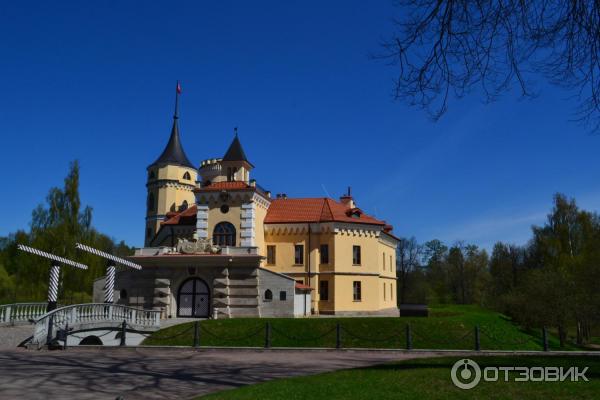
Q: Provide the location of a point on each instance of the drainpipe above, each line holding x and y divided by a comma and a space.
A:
308, 264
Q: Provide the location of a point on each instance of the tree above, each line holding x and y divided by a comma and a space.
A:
445, 48
55, 227
506, 267
564, 254
408, 255
456, 273
434, 257
477, 278
467, 273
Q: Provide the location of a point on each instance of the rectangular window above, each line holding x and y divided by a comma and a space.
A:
299, 254
391, 265
324, 254
324, 290
356, 255
283, 295
356, 292
391, 291
271, 255
384, 292
384, 261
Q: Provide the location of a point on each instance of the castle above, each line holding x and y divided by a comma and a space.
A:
217, 244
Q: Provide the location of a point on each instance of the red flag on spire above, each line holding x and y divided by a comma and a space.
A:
178, 88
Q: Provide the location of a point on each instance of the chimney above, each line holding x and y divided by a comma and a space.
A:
347, 199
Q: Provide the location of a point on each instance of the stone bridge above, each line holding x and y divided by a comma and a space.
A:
93, 323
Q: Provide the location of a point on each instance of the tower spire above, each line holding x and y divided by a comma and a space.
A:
177, 93
173, 153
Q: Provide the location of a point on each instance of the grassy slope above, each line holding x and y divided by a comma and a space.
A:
448, 327
424, 379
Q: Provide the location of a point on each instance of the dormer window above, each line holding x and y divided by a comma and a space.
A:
184, 206
354, 212
187, 176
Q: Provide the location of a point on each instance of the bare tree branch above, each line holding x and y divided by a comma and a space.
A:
446, 48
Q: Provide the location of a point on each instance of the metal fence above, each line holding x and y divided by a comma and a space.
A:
340, 336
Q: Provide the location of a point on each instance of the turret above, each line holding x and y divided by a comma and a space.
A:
235, 164
171, 180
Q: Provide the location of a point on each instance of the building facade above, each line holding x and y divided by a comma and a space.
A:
217, 244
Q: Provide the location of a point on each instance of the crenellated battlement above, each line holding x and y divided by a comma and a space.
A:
211, 164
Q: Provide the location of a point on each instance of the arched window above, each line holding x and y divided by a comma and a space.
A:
224, 234
187, 176
268, 295
184, 206
151, 202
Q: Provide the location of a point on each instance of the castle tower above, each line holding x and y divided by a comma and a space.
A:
236, 166
171, 180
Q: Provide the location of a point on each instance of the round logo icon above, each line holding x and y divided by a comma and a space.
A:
465, 374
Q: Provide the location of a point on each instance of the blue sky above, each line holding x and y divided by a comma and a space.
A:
315, 114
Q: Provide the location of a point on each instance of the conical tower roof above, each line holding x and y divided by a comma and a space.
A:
173, 152
235, 152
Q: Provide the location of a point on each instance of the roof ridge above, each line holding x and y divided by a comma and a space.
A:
326, 204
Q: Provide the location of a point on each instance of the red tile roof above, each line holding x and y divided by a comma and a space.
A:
315, 210
186, 217
304, 210
235, 185
302, 286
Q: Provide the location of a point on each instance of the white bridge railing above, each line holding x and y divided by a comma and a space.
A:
19, 313
94, 315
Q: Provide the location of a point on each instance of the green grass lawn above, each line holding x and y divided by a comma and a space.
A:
424, 379
448, 327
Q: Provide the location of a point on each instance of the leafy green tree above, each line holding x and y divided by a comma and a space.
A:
55, 227
434, 257
560, 288
506, 267
408, 255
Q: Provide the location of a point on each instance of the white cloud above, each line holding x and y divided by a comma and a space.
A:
487, 230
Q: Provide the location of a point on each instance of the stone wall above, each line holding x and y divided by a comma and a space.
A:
276, 283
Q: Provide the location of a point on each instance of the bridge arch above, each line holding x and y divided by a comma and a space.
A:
91, 340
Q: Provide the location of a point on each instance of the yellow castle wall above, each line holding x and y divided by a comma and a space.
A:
340, 272
168, 197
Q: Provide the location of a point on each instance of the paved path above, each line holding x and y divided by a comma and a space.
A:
161, 374
11, 336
